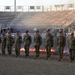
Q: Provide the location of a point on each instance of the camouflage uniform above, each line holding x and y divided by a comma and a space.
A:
72, 48
9, 44
37, 43
17, 42
3, 43
0, 39
48, 44
61, 41
27, 43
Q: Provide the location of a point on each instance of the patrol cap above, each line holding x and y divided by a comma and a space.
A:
48, 30
60, 31
18, 31
37, 30
27, 31
9, 31
72, 33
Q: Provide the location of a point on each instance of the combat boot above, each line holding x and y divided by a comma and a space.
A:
37, 56
59, 59
48, 58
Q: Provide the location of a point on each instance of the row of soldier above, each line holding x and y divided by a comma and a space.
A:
61, 42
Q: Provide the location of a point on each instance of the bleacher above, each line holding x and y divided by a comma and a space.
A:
7, 17
50, 19
47, 19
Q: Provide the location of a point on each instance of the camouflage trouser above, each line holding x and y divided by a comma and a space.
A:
3, 46
48, 50
72, 54
37, 50
17, 49
27, 49
61, 49
9, 48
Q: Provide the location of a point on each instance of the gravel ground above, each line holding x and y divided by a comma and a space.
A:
10, 65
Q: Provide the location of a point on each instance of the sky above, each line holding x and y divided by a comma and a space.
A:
35, 2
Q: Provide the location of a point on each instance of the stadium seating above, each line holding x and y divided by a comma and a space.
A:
32, 20
6, 18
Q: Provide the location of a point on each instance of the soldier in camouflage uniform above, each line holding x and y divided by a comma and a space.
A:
3, 43
48, 43
17, 43
9, 43
71, 44
37, 43
27, 43
61, 41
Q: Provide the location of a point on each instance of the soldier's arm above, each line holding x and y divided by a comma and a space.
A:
30, 40
4, 41
24, 38
64, 41
68, 42
0, 39
34, 38
57, 40
20, 39
52, 40
40, 40
12, 40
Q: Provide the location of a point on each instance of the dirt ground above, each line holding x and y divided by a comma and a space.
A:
11, 65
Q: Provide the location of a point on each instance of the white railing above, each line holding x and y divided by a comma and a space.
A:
38, 8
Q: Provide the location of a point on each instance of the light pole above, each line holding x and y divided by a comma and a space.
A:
14, 5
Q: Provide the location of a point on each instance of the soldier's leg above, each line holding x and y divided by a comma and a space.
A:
62, 48
70, 52
35, 50
73, 55
18, 49
38, 51
10, 49
2, 48
27, 50
49, 51
59, 49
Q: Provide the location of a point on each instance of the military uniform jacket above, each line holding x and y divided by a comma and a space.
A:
3, 39
37, 40
27, 39
0, 39
71, 43
61, 41
18, 39
49, 40
9, 40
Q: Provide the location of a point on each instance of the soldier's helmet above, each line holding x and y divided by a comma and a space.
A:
27, 31
48, 30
